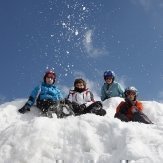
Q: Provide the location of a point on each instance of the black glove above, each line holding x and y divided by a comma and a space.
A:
98, 104
82, 107
25, 108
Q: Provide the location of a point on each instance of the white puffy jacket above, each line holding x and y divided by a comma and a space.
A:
85, 97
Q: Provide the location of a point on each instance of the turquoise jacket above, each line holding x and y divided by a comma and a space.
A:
111, 90
45, 92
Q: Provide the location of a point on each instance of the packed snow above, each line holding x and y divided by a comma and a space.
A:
31, 138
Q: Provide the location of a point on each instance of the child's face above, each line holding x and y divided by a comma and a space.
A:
109, 80
131, 95
79, 85
49, 80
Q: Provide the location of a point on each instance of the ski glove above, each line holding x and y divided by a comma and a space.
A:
98, 104
82, 107
24, 109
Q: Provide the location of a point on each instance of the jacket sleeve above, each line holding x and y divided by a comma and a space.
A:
33, 96
90, 99
139, 105
120, 107
103, 94
59, 94
69, 97
121, 90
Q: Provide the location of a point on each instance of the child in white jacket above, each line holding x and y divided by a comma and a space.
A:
82, 100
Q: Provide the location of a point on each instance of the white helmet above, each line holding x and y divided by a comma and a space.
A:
131, 89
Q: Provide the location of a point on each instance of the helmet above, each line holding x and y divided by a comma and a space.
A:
131, 89
109, 73
50, 72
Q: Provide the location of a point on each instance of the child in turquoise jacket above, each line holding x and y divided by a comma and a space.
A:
45, 95
110, 87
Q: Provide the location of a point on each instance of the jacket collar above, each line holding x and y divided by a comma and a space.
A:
48, 85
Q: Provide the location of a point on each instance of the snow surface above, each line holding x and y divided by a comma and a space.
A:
30, 138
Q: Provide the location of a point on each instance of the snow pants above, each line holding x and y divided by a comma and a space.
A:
95, 108
137, 117
44, 105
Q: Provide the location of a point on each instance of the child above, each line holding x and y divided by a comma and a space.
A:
110, 87
82, 100
46, 95
131, 109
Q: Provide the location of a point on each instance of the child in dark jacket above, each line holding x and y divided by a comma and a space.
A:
131, 109
82, 100
45, 95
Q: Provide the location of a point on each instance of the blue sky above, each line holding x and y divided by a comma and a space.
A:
81, 38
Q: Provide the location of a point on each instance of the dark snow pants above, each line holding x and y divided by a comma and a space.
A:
121, 116
44, 105
137, 117
141, 117
95, 108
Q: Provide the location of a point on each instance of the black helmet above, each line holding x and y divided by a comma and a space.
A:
109, 73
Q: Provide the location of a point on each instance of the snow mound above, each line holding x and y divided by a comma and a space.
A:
30, 138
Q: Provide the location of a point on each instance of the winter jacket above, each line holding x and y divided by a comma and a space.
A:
111, 90
44, 92
124, 108
85, 97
